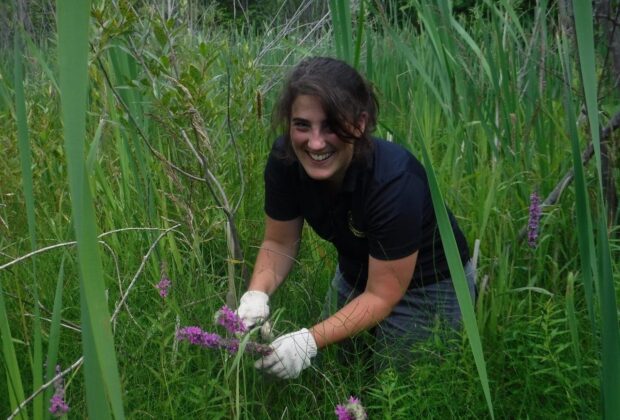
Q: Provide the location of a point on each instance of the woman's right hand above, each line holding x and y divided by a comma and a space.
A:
253, 308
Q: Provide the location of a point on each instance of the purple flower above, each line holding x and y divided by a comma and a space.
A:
196, 336
199, 337
534, 221
192, 334
343, 413
58, 406
164, 285
231, 345
211, 340
230, 320
351, 410
354, 400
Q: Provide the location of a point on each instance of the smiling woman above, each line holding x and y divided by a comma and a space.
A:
322, 154
371, 199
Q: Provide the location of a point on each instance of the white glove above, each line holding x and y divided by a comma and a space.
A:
291, 354
253, 308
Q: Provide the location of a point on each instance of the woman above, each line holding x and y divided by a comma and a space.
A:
367, 196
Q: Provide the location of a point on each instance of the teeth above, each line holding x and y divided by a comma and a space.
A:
319, 157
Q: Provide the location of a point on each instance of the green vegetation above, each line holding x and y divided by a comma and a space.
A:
146, 146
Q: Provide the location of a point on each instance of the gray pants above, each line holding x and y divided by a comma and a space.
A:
421, 312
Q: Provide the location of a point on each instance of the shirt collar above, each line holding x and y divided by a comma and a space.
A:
354, 172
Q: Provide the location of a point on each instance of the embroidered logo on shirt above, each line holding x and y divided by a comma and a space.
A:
357, 233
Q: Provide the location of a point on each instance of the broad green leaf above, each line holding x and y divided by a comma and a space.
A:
102, 381
610, 331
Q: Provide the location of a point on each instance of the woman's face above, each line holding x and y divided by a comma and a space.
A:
323, 155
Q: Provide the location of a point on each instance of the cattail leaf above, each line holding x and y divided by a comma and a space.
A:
458, 276
102, 381
13, 376
598, 259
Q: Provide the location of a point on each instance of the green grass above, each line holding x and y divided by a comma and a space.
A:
464, 92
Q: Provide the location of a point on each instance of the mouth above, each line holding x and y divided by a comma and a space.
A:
320, 157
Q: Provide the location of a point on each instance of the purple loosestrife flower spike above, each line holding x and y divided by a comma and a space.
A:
342, 413
211, 340
534, 221
163, 286
191, 334
196, 336
351, 410
227, 318
58, 406
232, 345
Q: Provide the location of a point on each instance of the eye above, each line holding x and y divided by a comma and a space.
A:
301, 125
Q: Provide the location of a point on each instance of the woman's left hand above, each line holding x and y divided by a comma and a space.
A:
291, 354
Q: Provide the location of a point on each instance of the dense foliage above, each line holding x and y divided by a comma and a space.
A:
178, 129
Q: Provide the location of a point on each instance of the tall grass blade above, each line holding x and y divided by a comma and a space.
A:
134, 158
359, 33
410, 55
571, 318
13, 377
508, 17
6, 105
343, 37
429, 19
102, 382
473, 46
457, 272
610, 332
95, 146
458, 278
41, 60
369, 60
27, 185
585, 238
24, 144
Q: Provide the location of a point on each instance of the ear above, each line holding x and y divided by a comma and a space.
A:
361, 123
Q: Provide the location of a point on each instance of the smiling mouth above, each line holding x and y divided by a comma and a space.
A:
320, 157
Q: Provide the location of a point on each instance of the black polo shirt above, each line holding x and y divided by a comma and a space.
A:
384, 210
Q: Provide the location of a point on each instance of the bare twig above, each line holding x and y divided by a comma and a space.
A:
63, 244
140, 268
66, 324
33, 253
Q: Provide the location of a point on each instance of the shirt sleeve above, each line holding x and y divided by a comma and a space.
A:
394, 212
281, 186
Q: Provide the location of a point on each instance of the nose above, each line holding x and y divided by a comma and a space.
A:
316, 140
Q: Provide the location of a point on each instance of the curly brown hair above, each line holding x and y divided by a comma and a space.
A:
344, 95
